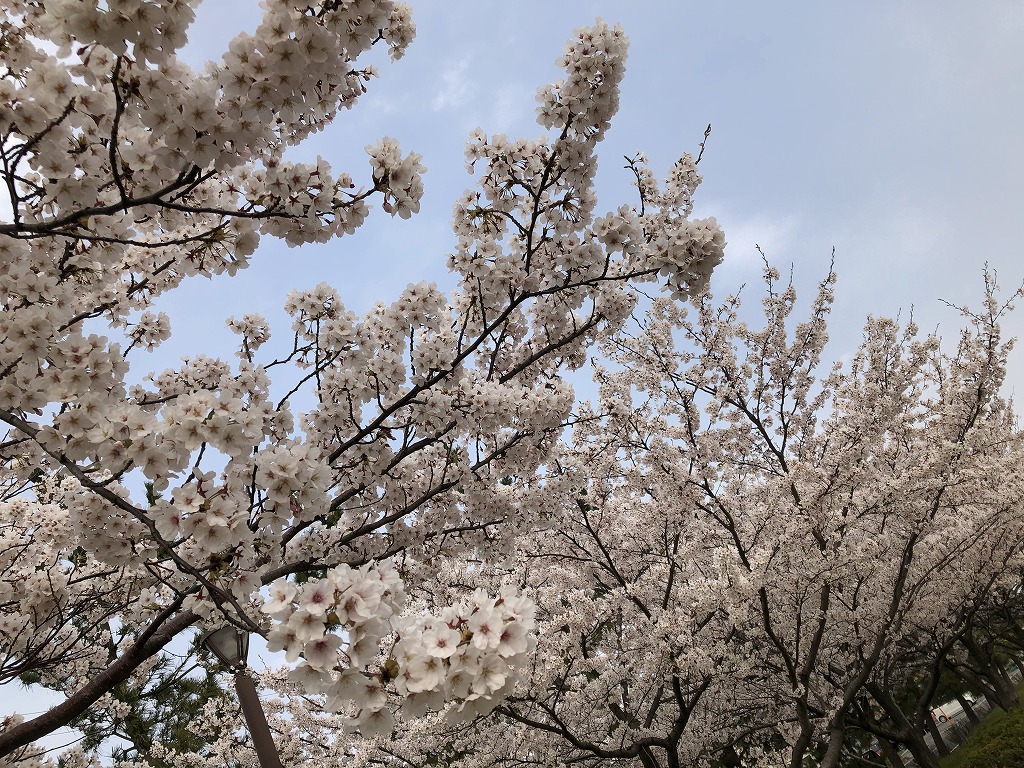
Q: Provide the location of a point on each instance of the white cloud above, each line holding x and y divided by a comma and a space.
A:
776, 236
455, 86
511, 109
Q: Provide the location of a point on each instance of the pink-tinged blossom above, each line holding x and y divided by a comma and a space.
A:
419, 704
486, 625
424, 673
377, 722
513, 639
168, 520
490, 676
322, 652
440, 640
310, 678
282, 594
283, 637
307, 626
316, 597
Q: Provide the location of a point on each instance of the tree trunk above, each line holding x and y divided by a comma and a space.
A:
910, 730
933, 729
891, 754
1017, 662
978, 684
835, 745
803, 742
972, 716
1006, 691
919, 750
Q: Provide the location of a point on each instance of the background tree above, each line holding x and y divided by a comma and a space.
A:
746, 551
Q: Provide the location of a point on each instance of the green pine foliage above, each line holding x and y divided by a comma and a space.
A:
163, 707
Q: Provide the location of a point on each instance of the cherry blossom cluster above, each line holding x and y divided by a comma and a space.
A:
689, 256
683, 250
116, 122
531, 226
253, 329
359, 602
473, 653
400, 178
149, 330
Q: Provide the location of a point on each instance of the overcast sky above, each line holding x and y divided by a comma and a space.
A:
890, 131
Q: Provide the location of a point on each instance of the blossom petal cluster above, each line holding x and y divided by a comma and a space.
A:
340, 626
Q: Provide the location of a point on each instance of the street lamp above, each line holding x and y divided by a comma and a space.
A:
231, 646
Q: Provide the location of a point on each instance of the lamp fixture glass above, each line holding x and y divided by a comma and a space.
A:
229, 644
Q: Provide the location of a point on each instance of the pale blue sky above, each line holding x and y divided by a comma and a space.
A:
891, 131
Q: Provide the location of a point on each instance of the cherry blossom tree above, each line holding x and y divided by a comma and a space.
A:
135, 514
749, 553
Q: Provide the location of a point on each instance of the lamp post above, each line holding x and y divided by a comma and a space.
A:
231, 647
